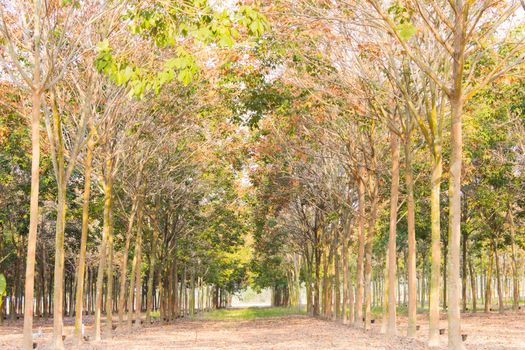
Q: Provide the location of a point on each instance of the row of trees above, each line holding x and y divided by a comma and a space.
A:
385, 104
188, 148
127, 157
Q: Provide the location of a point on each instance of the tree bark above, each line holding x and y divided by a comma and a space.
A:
35, 184
361, 247
498, 278
35, 180
317, 267
411, 230
138, 279
374, 198
83, 240
109, 286
153, 253
515, 279
435, 251
346, 278
132, 285
392, 237
337, 281
464, 270
58, 290
456, 144
124, 270
473, 285
488, 284
103, 247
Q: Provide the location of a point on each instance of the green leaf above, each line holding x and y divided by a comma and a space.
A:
103, 45
406, 30
3, 284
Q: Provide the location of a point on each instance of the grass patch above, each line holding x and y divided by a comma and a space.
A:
251, 313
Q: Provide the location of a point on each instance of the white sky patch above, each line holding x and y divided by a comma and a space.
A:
244, 180
274, 74
221, 5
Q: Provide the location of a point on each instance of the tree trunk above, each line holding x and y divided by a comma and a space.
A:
456, 144
103, 247
35, 184
191, 299
58, 290
515, 279
152, 262
132, 285
83, 240
464, 270
411, 230
175, 311
346, 278
138, 278
435, 251
109, 298
488, 284
386, 287
124, 270
498, 279
317, 266
472, 285
361, 247
445, 282
391, 328
337, 282
374, 198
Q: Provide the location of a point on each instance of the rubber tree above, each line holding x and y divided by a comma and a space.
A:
464, 24
36, 80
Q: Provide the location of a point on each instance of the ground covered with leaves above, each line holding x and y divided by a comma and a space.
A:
281, 329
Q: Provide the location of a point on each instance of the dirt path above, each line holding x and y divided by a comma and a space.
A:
494, 332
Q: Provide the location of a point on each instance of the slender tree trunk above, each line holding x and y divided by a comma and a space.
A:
392, 237
368, 248
132, 285
109, 298
456, 144
138, 278
136, 202
44, 283
35, 184
58, 290
472, 285
317, 267
445, 282
411, 230
308, 282
191, 299
103, 247
153, 253
346, 277
351, 313
498, 279
337, 281
385, 293
33, 211
175, 310
131, 292
325, 285
435, 251
464, 270
361, 247
83, 240
488, 284
515, 279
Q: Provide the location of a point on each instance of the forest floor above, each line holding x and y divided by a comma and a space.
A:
270, 329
